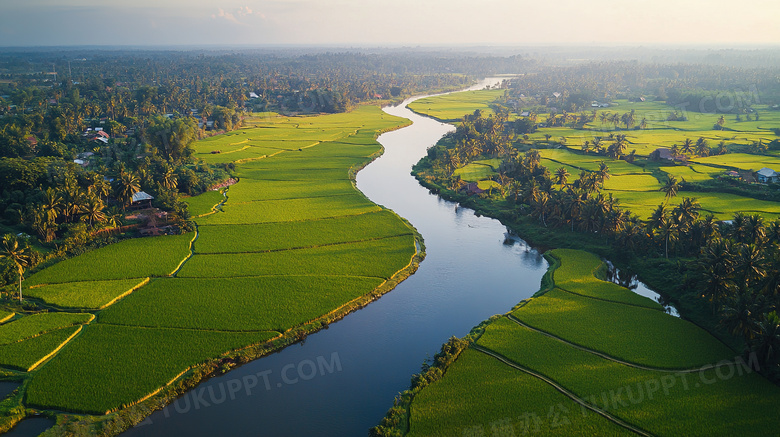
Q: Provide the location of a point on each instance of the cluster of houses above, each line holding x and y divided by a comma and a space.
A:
96, 134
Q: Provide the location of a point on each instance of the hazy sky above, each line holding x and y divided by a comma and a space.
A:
391, 22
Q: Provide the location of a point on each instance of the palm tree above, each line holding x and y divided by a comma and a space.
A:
52, 204
169, 179
19, 254
668, 231
561, 176
127, 185
701, 148
671, 186
722, 149
93, 211
603, 172
687, 146
766, 341
739, 313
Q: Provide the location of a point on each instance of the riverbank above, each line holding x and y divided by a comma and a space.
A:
566, 363
661, 274
350, 253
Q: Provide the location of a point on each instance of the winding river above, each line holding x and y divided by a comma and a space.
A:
341, 380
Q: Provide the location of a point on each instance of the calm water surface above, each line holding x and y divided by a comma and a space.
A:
342, 380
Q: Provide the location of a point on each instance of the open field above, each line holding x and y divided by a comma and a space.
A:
286, 210
478, 170
634, 334
204, 203
311, 233
309, 244
742, 161
135, 258
272, 303
581, 354
91, 295
662, 403
35, 325
373, 258
519, 404
581, 274
27, 355
452, 107
124, 364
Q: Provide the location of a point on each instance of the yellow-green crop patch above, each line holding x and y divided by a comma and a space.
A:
638, 335
91, 295
29, 354
250, 190
35, 325
577, 274
735, 399
273, 303
299, 234
125, 364
475, 171
588, 162
480, 396
452, 107
632, 182
379, 258
742, 161
204, 204
311, 208
135, 258
693, 173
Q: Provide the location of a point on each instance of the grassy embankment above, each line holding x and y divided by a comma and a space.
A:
636, 185
587, 357
294, 247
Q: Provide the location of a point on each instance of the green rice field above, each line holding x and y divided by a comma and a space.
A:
512, 373
452, 107
91, 295
294, 242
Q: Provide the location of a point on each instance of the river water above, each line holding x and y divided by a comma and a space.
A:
341, 381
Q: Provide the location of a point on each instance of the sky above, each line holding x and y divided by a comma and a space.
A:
389, 22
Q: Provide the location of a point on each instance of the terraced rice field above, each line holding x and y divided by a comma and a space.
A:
294, 242
581, 373
90, 295
452, 107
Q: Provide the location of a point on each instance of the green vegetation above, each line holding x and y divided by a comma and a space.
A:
125, 364
733, 402
204, 203
90, 295
6, 316
379, 258
583, 274
451, 107
274, 303
32, 326
309, 208
29, 354
311, 233
294, 247
638, 335
509, 381
480, 395
135, 258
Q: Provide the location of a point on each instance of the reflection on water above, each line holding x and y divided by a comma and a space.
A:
628, 279
468, 276
30, 427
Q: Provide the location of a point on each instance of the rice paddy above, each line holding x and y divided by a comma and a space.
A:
636, 184
607, 354
90, 295
294, 242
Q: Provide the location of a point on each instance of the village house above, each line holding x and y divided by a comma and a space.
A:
767, 176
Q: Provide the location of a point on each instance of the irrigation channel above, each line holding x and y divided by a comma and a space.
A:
341, 380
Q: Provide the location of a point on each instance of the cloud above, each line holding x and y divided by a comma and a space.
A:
237, 15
